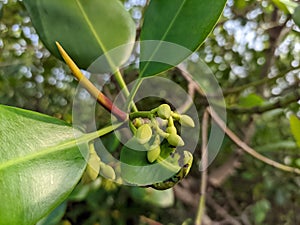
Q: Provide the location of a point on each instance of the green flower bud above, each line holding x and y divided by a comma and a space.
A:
144, 134
175, 140
107, 171
164, 111
153, 154
137, 122
93, 166
171, 130
186, 121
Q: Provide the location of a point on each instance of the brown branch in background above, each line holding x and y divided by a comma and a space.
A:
265, 80
204, 165
219, 175
248, 149
222, 212
149, 221
101, 98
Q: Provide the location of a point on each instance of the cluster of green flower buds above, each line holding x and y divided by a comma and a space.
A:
152, 127
95, 165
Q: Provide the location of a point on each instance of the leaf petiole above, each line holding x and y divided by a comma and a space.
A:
101, 98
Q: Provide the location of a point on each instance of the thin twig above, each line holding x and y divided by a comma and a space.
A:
263, 81
280, 103
222, 212
204, 159
248, 149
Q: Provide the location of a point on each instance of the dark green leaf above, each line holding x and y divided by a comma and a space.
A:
296, 16
85, 29
174, 29
40, 164
136, 169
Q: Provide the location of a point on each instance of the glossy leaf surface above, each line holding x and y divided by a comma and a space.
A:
136, 170
85, 29
40, 163
186, 23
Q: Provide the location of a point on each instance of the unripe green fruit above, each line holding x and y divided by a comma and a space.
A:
164, 111
144, 134
153, 154
175, 140
186, 121
107, 171
171, 130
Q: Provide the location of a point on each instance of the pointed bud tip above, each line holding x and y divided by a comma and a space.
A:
164, 111
186, 121
144, 133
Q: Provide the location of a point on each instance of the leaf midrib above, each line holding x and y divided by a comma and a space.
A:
94, 32
85, 138
46, 151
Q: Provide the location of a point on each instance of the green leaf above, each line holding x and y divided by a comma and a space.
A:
295, 128
55, 216
296, 16
174, 29
260, 210
287, 6
297, 162
85, 29
136, 170
40, 164
251, 100
281, 6
161, 198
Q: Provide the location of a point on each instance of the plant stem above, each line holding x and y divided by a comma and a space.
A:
101, 98
133, 92
99, 133
124, 88
143, 114
257, 83
201, 207
248, 149
280, 103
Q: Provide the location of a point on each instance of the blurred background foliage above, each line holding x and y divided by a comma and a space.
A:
254, 54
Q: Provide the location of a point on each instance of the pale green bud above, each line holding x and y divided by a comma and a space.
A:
164, 111
186, 121
171, 130
93, 166
144, 134
175, 140
107, 171
138, 122
153, 154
